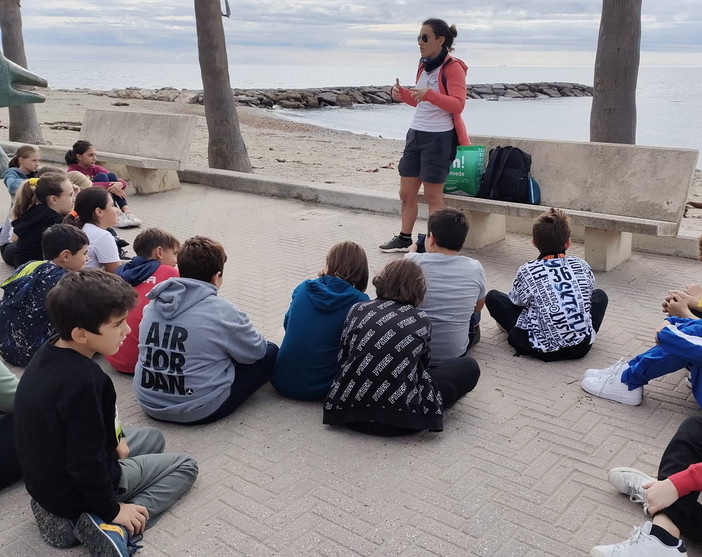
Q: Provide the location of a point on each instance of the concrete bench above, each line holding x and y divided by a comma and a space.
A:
612, 190
151, 146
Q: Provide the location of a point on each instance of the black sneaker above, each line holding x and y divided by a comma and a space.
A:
54, 530
397, 244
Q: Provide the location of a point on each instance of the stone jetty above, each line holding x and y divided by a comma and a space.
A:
348, 96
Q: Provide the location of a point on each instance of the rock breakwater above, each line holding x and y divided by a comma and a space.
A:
348, 96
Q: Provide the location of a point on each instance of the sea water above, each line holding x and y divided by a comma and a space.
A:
668, 107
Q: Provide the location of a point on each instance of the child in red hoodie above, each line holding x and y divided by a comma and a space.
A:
155, 262
672, 500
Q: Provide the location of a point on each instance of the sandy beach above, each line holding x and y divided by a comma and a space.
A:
276, 146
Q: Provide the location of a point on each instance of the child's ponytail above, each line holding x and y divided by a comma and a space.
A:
37, 190
22, 153
25, 198
79, 147
86, 203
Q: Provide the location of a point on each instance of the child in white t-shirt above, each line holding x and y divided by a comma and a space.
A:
94, 211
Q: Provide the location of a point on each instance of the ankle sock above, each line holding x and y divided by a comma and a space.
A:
666, 537
405, 236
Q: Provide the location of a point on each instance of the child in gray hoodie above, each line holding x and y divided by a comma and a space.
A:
200, 356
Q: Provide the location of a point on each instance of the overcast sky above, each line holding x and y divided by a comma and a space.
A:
351, 32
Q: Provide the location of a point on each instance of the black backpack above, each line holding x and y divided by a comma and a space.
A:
507, 176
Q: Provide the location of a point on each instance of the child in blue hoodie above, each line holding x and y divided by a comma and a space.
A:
21, 167
200, 356
306, 363
24, 321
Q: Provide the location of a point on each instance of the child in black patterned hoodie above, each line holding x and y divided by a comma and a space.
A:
383, 385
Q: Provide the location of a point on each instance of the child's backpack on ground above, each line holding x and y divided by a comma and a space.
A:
507, 177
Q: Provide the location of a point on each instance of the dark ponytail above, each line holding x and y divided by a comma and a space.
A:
442, 29
79, 147
87, 201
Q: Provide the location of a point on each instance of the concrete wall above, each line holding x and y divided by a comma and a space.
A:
648, 182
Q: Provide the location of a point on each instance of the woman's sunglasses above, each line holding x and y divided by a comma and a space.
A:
423, 38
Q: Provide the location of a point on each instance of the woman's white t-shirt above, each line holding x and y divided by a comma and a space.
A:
102, 248
429, 117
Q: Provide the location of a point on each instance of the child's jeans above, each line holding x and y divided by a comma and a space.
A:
111, 177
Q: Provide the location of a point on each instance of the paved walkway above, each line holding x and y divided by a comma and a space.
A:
519, 470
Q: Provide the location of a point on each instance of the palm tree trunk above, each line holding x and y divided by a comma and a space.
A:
613, 114
24, 126
226, 148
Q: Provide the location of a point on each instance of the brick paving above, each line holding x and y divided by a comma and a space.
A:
519, 470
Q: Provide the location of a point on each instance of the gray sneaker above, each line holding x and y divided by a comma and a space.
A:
630, 481
54, 530
397, 244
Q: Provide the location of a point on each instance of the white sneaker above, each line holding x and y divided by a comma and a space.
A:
640, 544
630, 481
133, 219
123, 221
609, 385
621, 365
688, 379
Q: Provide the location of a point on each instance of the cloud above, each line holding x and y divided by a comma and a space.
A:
346, 31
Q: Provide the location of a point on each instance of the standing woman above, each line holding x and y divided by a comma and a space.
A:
437, 127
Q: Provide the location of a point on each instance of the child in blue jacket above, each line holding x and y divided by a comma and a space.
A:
679, 345
307, 360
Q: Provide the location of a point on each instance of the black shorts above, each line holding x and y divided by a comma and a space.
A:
428, 155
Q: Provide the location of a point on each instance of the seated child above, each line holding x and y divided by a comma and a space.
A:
455, 286
154, 263
94, 212
384, 385
678, 346
24, 323
9, 465
306, 363
80, 182
672, 500
81, 158
200, 356
552, 312
89, 480
21, 168
39, 203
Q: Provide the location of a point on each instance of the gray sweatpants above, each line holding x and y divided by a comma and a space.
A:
151, 477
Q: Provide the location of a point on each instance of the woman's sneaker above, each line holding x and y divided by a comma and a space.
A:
103, 539
609, 385
640, 544
630, 481
133, 218
397, 244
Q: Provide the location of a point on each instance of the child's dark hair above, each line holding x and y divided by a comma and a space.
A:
46, 169
22, 153
449, 228
37, 190
151, 238
201, 258
87, 201
88, 299
79, 147
347, 261
551, 231
60, 237
401, 281
442, 29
